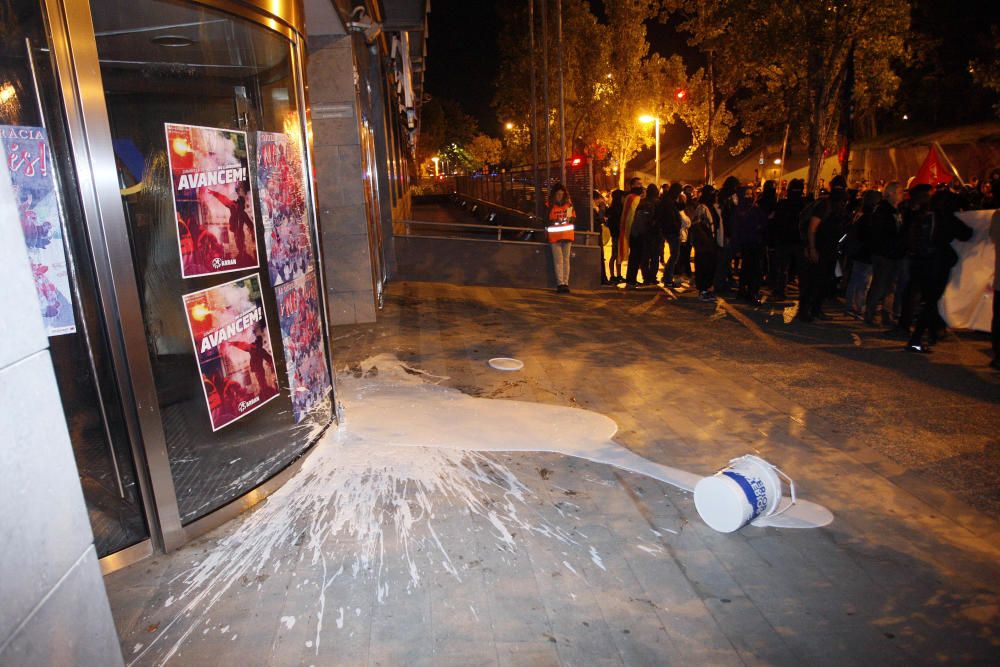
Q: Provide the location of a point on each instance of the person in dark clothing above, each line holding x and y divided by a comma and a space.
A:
859, 253
918, 246
885, 242
613, 222
932, 228
783, 236
683, 267
654, 241
995, 328
727, 200
748, 240
704, 226
639, 239
668, 220
827, 220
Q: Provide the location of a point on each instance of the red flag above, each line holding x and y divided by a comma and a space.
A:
933, 170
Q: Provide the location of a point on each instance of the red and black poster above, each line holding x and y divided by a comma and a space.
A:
302, 338
213, 200
231, 339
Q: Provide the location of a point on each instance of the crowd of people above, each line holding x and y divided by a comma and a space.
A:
886, 250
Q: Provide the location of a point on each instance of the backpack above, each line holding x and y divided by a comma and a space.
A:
642, 223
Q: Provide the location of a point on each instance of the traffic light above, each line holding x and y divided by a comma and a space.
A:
680, 94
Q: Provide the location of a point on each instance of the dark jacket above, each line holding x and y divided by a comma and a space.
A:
783, 228
668, 218
748, 225
885, 233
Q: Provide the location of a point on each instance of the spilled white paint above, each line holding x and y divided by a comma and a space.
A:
596, 558
366, 501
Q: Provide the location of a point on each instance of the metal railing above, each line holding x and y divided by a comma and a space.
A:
474, 231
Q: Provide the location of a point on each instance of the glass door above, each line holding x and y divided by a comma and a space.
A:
35, 144
208, 146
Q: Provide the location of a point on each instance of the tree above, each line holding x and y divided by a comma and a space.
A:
443, 124
826, 39
987, 73
721, 30
484, 149
585, 61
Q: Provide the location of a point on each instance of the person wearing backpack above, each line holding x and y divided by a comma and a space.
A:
639, 242
705, 222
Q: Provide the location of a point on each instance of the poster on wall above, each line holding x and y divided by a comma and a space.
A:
302, 339
233, 346
213, 200
26, 152
282, 193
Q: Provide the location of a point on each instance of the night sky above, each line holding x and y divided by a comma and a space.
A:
462, 60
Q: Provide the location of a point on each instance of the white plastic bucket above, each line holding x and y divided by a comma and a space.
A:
747, 490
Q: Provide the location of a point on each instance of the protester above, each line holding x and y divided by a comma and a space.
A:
748, 240
668, 219
640, 245
600, 206
614, 222
705, 224
683, 266
886, 252
631, 203
784, 237
727, 205
823, 231
561, 214
995, 328
859, 253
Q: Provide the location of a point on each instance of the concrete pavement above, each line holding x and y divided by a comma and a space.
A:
615, 568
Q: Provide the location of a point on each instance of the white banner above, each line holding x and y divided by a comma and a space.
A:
968, 300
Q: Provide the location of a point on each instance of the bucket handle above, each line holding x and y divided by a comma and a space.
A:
791, 489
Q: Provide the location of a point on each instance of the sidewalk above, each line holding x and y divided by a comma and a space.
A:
562, 561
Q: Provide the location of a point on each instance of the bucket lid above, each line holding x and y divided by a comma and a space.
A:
721, 503
506, 364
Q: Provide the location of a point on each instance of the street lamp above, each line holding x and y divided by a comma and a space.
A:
435, 160
656, 123
509, 126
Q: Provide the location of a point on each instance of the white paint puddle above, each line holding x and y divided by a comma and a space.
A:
368, 500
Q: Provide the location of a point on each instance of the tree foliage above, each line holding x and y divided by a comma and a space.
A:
987, 73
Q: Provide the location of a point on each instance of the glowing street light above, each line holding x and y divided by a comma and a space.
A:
509, 126
656, 124
435, 160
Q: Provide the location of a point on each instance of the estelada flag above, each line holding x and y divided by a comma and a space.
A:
934, 170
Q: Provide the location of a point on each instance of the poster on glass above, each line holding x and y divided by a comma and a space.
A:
213, 200
308, 375
233, 347
26, 152
282, 192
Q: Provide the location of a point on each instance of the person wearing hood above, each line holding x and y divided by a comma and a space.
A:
726, 202
783, 236
748, 240
824, 229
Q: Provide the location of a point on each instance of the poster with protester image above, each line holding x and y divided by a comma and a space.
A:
302, 338
282, 193
213, 199
233, 347
26, 153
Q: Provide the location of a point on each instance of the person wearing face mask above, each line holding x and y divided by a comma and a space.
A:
727, 201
